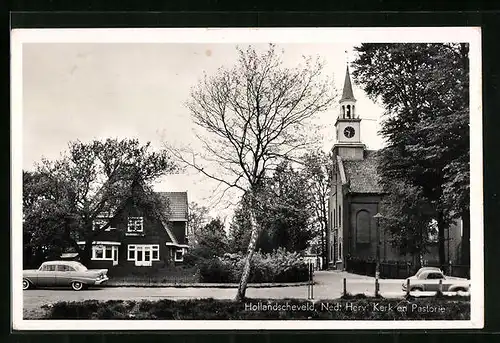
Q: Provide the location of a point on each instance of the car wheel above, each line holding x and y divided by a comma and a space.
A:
460, 290
26, 284
416, 289
77, 285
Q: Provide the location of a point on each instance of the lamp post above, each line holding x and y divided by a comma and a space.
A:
377, 266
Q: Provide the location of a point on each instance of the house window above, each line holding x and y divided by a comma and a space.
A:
108, 253
98, 253
135, 224
131, 252
179, 255
105, 253
143, 253
156, 252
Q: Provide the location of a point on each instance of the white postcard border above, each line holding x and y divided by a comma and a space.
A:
472, 35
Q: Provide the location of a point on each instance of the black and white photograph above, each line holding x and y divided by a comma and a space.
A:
285, 178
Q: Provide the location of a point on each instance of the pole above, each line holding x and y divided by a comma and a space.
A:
377, 267
310, 285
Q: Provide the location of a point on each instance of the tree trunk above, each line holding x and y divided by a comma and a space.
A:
441, 240
465, 244
248, 261
85, 253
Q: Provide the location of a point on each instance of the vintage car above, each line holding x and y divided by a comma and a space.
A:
427, 268
64, 273
428, 279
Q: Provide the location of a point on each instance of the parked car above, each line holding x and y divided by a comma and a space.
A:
427, 279
427, 268
64, 273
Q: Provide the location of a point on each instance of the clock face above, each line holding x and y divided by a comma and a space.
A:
349, 132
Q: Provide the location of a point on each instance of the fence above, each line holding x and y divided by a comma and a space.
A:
149, 277
401, 269
398, 288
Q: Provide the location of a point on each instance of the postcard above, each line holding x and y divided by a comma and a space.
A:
264, 178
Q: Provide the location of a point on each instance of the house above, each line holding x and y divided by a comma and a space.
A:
137, 241
356, 195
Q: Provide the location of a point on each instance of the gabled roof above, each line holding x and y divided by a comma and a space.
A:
347, 93
178, 205
361, 175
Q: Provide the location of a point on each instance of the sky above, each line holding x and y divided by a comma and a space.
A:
91, 91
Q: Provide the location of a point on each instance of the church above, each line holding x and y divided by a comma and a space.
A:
356, 195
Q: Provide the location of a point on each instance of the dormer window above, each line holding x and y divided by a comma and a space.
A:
135, 224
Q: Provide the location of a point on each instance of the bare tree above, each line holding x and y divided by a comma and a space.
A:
251, 117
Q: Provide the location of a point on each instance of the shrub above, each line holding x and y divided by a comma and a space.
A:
206, 309
214, 270
278, 266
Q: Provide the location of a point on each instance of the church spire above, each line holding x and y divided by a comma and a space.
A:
347, 92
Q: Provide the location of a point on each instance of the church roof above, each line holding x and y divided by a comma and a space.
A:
347, 93
361, 175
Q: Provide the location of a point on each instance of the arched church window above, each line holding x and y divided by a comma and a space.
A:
353, 112
343, 111
348, 113
340, 251
363, 227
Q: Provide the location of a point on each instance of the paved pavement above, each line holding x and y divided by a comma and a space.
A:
328, 285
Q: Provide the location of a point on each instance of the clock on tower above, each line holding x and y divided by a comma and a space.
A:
349, 131
348, 144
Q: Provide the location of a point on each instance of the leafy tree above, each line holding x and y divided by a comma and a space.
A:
240, 228
424, 90
407, 215
41, 238
250, 117
198, 217
212, 240
286, 214
318, 171
287, 211
62, 198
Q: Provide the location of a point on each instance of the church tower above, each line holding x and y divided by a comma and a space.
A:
348, 143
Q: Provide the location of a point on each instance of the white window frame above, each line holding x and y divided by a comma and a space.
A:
103, 247
134, 223
142, 247
175, 255
101, 222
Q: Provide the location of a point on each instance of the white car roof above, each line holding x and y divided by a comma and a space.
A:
69, 263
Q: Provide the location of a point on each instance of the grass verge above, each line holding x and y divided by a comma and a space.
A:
355, 308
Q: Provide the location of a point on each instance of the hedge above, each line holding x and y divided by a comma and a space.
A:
210, 309
278, 266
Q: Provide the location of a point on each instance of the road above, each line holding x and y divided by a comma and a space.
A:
328, 285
